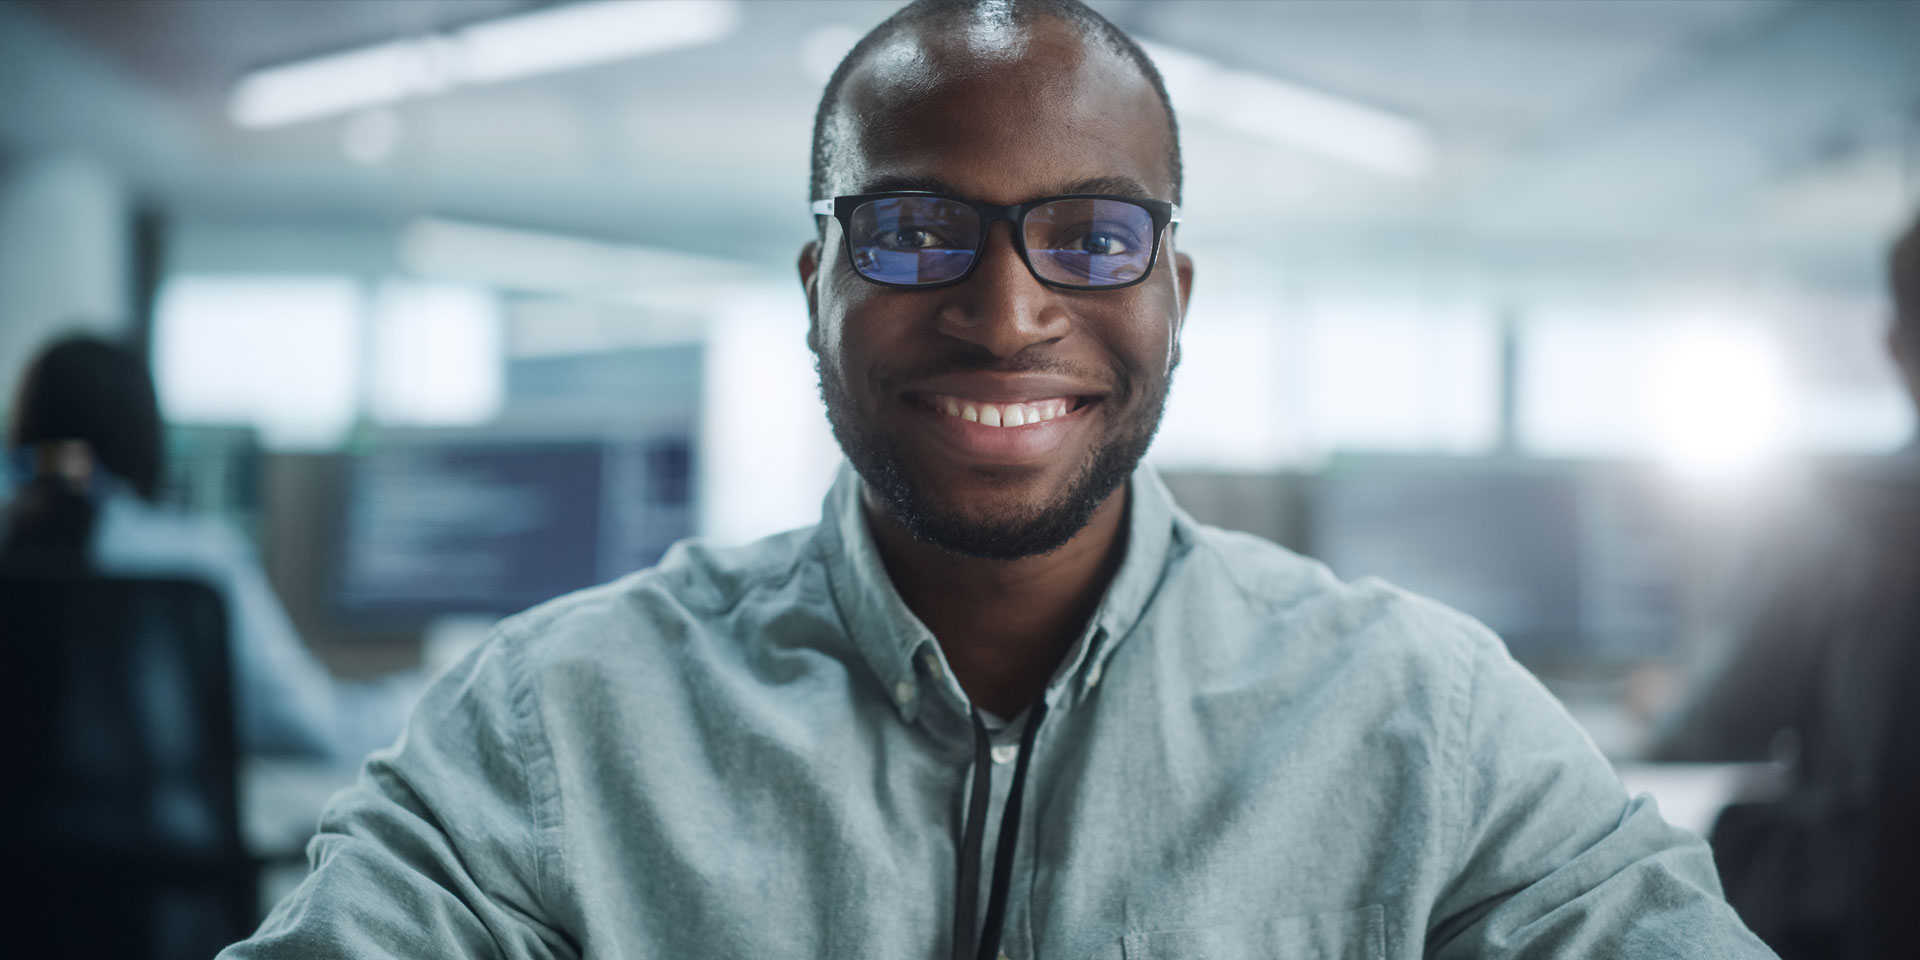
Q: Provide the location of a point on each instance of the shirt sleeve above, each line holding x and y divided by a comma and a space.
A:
1552, 858
286, 696
440, 850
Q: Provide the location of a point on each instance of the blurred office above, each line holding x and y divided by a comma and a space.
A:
1562, 313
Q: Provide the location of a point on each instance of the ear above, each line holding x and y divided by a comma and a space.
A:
810, 282
1183, 276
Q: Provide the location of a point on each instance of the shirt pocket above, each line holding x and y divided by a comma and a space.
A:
1337, 935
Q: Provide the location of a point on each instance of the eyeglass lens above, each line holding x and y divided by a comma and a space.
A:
924, 240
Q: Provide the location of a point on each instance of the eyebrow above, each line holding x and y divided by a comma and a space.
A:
1116, 186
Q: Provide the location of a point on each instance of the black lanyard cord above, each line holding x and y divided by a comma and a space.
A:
966, 903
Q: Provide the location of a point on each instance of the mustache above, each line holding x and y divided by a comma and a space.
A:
1115, 382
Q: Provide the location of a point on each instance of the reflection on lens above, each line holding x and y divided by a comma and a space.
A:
1090, 243
911, 240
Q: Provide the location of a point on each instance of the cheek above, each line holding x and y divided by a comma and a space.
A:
853, 336
1146, 339
838, 312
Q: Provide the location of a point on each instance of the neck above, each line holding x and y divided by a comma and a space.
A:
1004, 625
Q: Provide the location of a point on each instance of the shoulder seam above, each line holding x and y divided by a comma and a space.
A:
543, 791
1204, 537
732, 598
1462, 734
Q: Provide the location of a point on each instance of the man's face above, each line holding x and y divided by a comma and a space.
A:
1002, 115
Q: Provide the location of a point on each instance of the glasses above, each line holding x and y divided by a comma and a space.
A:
1078, 242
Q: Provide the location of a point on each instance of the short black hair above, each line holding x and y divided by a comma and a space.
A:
928, 12
86, 388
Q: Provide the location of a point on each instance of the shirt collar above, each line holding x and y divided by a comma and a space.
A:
892, 639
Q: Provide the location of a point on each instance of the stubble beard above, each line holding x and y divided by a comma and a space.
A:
1012, 534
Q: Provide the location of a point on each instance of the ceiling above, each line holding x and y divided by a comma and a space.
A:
1746, 139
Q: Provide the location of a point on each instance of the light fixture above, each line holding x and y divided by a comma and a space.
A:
1294, 115
544, 41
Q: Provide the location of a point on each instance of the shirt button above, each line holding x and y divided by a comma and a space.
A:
1093, 676
903, 692
1005, 753
933, 665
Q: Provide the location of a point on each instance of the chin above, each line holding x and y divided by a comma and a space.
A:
997, 514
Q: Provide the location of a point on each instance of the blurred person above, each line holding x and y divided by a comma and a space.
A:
1187, 741
86, 443
1822, 672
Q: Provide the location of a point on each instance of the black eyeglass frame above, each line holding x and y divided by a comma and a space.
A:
842, 209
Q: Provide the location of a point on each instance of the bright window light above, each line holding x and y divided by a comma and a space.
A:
1385, 377
1293, 115
767, 455
437, 355
1718, 400
1710, 400
276, 353
1228, 407
1583, 383
544, 41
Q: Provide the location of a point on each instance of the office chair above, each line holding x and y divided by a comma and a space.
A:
1892, 915
121, 824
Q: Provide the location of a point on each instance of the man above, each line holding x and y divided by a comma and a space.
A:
1830, 654
1005, 700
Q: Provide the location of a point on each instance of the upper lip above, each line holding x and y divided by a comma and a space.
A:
990, 387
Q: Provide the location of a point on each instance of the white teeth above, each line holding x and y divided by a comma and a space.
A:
1003, 414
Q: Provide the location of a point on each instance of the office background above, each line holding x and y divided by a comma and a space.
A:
1544, 309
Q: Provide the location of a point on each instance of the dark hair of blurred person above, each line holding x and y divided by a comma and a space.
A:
1904, 337
86, 437
1821, 674
84, 406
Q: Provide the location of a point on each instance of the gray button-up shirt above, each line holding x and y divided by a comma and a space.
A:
760, 752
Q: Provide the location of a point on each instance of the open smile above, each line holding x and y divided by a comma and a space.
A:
1001, 432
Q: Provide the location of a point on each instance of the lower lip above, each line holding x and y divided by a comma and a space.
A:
1024, 444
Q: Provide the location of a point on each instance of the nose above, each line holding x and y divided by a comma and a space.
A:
1001, 307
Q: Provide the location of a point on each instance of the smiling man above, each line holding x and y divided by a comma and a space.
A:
1006, 699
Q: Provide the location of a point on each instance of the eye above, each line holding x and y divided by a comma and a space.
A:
1104, 244
907, 238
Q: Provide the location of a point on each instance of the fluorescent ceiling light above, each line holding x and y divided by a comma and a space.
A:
510, 48
1294, 115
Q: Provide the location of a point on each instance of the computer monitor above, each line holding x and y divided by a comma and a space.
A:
1571, 564
459, 526
213, 470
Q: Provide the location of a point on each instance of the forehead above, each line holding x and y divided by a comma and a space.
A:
1002, 111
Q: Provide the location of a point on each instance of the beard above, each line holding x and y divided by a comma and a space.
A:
1025, 531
